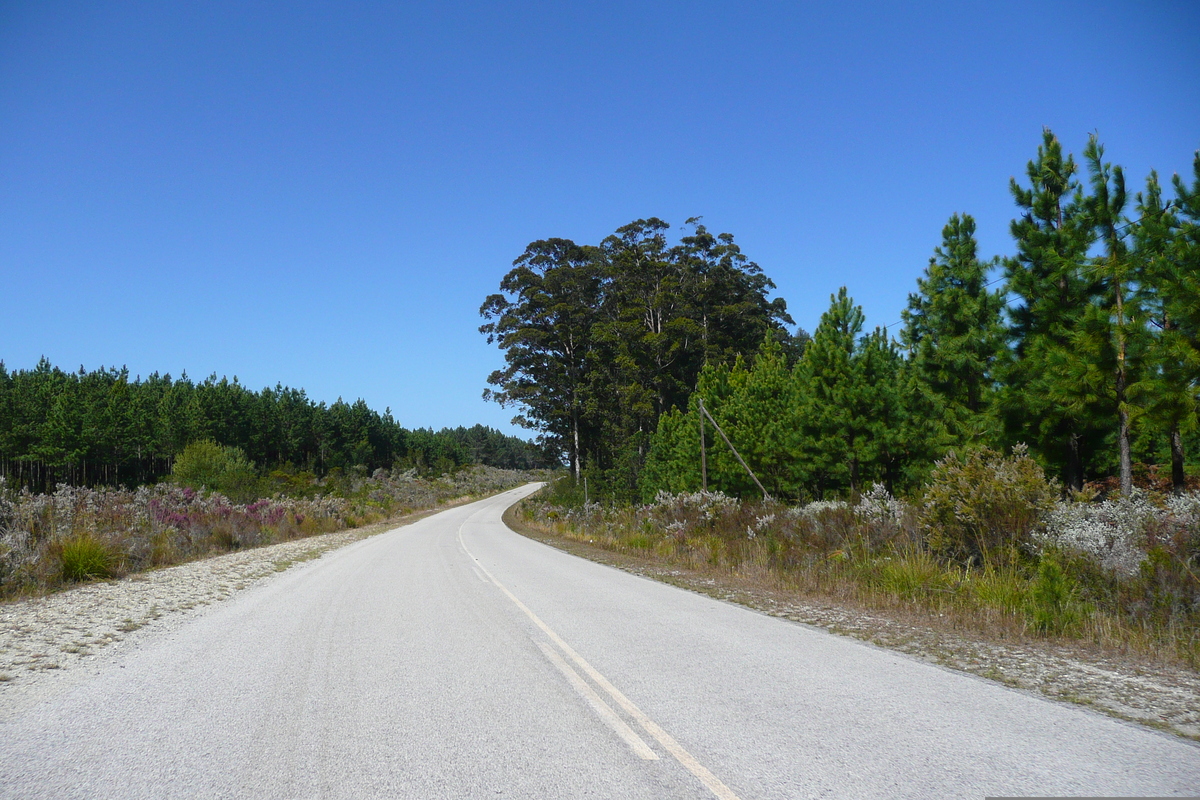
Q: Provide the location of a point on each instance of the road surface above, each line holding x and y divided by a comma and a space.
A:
453, 658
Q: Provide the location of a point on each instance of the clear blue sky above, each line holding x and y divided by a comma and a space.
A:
322, 194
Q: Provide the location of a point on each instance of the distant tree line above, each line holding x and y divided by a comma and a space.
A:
1087, 350
101, 427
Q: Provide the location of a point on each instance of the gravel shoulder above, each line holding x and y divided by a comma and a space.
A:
1161, 696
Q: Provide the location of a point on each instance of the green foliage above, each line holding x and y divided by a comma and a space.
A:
1051, 287
1052, 603
600, 342
104, 428
981, 508
207, 465
954, 334
85, 557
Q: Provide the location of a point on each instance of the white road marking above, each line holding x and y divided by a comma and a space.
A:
635, 742
689, 762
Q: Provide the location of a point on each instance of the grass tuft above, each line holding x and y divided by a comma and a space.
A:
84, 558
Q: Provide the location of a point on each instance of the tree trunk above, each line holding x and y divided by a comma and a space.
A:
575, 455
1074, 464
1123, 434
1178, 477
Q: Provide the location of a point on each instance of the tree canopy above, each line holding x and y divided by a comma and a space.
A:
1088, 351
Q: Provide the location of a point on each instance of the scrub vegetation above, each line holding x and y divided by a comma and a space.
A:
999, 554
74, 534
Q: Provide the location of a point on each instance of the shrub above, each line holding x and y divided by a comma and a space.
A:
85, 557
1052, 598
207, 465
984, 508
1113, 533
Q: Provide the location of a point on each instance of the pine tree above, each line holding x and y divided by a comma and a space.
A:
1167, 391
954, 333
826, 376
1052, 288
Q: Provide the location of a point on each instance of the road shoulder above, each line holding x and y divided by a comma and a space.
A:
1161, 696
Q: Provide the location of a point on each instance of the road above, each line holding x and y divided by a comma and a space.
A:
454, 658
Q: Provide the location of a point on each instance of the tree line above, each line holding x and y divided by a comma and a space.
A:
1084, 345
104, 428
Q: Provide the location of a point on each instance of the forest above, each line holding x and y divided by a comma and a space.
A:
102, 428
1082, 344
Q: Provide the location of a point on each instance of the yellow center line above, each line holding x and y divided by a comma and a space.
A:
689, 762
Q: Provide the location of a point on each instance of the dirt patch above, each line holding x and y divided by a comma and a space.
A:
1162, 696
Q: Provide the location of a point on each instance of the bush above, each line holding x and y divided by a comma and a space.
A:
1053, 606
984, 508
85, 557
207, 465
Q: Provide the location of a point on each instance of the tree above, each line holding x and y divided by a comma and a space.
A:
207, 465
1109, 333
1166, 259
1051, 288
954, 333
600, 342
546, 335
832, 428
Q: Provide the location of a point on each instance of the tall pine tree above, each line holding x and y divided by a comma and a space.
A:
954, 334
1052, 287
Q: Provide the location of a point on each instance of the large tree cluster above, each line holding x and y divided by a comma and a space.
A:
1087, 349
600, 340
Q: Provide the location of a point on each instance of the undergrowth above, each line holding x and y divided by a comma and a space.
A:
1121, 573
79, 534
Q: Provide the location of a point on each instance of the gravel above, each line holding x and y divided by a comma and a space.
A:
49, 643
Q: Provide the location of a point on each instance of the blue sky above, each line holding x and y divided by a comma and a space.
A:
322, 194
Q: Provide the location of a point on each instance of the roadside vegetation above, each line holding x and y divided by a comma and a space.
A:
214, 502
988, 546
1019, 456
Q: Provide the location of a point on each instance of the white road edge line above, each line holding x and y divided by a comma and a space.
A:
635, 742
689, 762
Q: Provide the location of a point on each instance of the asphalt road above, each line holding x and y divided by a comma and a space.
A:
453, 658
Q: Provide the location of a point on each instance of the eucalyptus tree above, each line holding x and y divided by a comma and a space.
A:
543, 322
646, 338
731, 301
